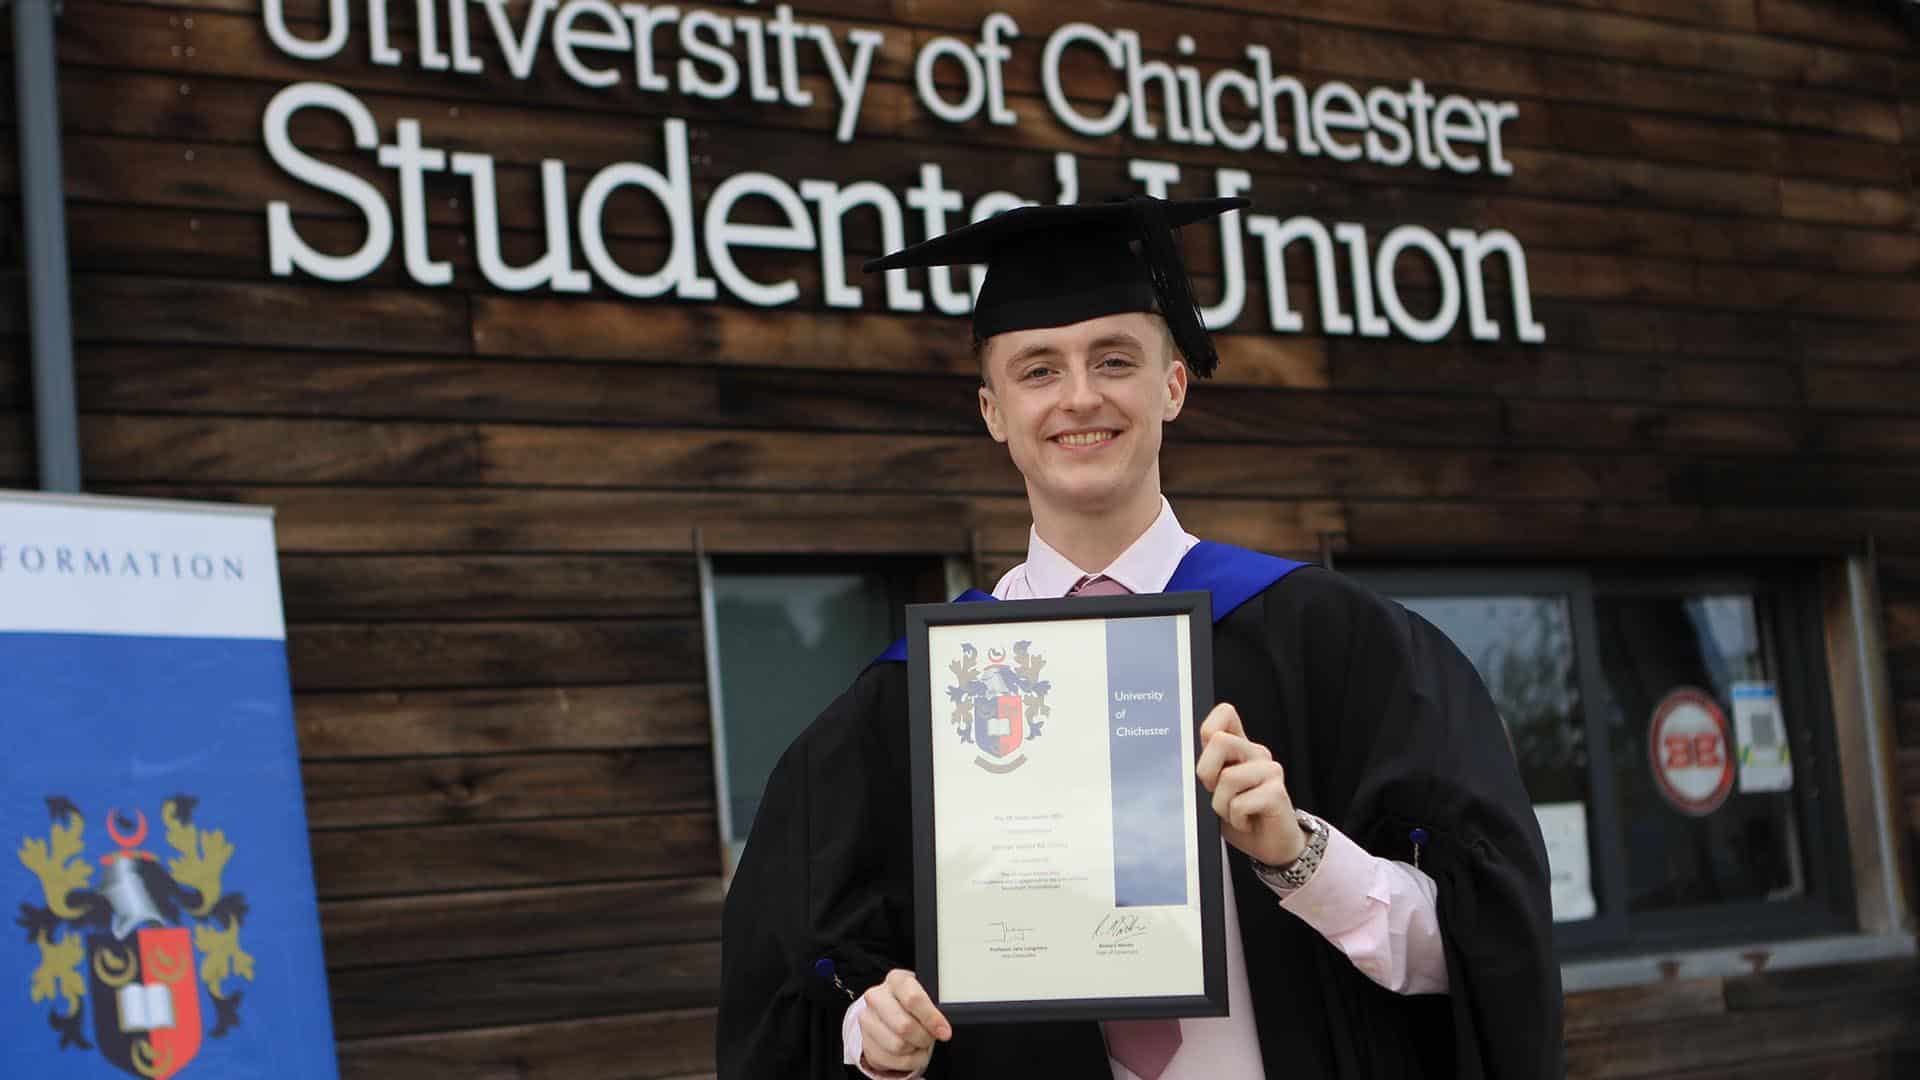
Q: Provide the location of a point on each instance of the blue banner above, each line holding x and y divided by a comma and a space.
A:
155, 840
1146, 737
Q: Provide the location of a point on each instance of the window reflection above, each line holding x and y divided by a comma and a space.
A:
1523, 648
1745, 848
788, 645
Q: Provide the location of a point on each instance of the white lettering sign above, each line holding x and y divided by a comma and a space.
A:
1244, 105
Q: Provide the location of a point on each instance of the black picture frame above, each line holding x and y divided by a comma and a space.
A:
1198, 607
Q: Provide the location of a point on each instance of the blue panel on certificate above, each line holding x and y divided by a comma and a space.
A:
1147, 759
151, 803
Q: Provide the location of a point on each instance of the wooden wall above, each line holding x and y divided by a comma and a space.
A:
487, 501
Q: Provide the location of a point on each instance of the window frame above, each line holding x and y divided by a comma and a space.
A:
1788, 610
911, 577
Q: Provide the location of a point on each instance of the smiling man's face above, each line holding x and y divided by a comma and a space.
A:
1080, 408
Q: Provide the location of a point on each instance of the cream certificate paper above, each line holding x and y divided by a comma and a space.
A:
1063, 773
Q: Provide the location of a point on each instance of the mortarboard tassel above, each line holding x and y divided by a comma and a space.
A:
1169, 276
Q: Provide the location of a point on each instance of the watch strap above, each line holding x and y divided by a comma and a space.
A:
1300, 871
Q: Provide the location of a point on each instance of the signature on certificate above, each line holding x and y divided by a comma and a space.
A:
1009, 934
1121, 926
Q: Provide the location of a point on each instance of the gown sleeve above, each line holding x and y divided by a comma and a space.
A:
817, 895
1423, 754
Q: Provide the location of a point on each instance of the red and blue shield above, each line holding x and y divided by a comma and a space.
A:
146, 996
1001, 706
998, 715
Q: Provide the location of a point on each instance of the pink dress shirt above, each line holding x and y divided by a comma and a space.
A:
1381, 913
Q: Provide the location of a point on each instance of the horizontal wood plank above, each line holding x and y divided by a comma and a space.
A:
181, 311
1854, 435
403, 723
1677, 379
132, 450
676, 1044
514, 326
1836, 342
1594, 1010
249, 382
509, 922
1897, 980
1362, 472
358, 520
125, 449
1814, 20
1876, 389
317, 588
1726, 14
506, 787
450, 858
1599, 530
1723, 1043
392, 656
1864, 1063
564, 986
1795, 483
1502, 370
1640, 427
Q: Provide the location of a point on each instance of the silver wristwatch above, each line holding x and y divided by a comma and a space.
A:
1300, 870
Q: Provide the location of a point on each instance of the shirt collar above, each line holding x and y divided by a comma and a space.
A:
1145, 567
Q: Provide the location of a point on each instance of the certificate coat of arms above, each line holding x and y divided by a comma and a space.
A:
1000, 706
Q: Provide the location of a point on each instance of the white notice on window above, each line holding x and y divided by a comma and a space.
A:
1564, 827
1761, 736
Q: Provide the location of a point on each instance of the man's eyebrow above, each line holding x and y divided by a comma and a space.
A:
1121, 339
1038, 348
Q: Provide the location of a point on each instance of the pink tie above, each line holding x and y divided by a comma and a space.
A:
1143, 1046
1098, 585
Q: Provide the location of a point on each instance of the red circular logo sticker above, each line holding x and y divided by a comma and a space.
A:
1691, 755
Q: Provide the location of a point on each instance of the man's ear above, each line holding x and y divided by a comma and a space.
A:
990, 412
1176, 388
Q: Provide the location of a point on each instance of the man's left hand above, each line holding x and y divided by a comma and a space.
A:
1249, 790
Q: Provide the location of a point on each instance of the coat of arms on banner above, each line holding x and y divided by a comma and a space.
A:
134, 944
1000, 707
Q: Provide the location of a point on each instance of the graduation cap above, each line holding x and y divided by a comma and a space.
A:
1059, 265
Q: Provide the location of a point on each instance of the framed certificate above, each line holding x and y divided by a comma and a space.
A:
1066, 859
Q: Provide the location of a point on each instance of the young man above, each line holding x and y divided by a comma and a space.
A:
1387, 903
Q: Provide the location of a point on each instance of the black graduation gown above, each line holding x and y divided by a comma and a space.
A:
1383, 727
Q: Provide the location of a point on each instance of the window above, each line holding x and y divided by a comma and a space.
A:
784, 638
1674, 734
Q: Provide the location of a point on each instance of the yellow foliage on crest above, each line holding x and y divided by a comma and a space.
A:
58, 973
203, 857
222, 957
52, 861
